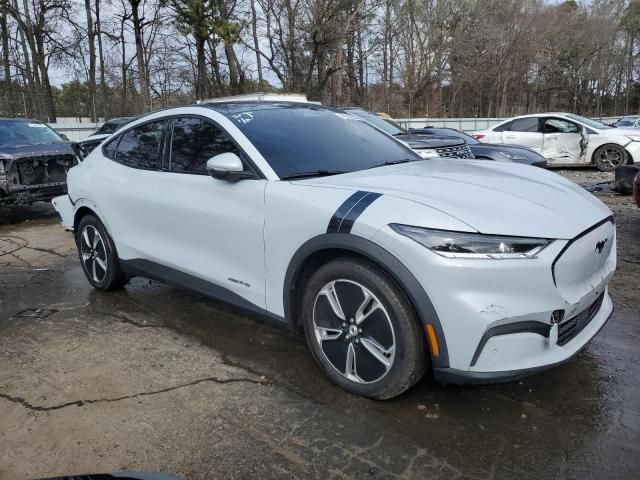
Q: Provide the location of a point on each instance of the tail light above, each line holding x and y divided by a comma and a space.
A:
478, 136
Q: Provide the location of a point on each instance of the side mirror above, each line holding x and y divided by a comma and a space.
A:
64, 137
227, 166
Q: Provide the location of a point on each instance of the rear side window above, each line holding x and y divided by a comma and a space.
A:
109, 149
194, 141
140, 147
524, 125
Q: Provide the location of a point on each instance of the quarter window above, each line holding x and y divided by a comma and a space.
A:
194, 141
140, 147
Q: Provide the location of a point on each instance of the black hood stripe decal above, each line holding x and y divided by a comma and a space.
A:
344, 218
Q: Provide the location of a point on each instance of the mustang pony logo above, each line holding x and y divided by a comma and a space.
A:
600, 245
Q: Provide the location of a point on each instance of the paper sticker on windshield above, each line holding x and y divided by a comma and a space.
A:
37, 125
244, 117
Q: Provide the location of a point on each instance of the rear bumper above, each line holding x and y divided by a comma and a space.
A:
65, 208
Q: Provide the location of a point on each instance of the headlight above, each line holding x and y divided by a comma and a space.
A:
427, 153
511, 156
472, 245
634, 138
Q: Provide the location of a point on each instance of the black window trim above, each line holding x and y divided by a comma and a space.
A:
118, 138
166, 157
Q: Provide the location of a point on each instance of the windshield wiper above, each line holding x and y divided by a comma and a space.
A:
393, 162
313, 173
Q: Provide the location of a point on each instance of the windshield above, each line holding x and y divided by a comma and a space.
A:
625, 123
305, 138
19, 132
589, 122
376, 120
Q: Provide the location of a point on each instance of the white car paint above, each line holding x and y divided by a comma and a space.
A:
564, 148
243, 236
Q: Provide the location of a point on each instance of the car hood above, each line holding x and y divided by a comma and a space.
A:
620, 131
429, 141
490, 197
38, 149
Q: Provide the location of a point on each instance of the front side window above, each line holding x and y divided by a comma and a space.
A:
194, 141
307, 140
140, 147
558, 125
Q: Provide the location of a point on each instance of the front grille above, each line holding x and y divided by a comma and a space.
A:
572, 327
459, 151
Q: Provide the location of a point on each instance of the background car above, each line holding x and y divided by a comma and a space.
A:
34, 160
431, 146
627, 122
565, 139
109, 127
489, 151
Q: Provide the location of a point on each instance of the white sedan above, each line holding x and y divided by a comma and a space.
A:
565, 139
391, 264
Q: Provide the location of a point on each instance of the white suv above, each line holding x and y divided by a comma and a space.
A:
388, 262
565, 139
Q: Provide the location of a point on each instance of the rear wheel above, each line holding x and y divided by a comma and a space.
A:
361, 330
609, 157
98, 255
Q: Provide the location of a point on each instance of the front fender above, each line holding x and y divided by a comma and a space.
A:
385, 261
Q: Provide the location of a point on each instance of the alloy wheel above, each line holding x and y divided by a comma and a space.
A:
611, 157
93, 253
354, 331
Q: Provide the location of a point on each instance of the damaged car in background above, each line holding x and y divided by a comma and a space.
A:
34, 161
566, 139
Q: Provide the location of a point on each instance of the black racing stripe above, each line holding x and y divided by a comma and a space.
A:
336, 220
346, 215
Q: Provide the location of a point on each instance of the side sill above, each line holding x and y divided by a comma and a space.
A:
185, 281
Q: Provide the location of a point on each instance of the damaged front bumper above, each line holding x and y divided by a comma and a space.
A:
29, 179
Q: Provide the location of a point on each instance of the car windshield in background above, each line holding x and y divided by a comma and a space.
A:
384, 125
302, 139
625, 123
18, 132
590, 122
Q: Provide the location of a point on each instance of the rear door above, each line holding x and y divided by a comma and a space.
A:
523, 131
212, 229
563, 141
124, 188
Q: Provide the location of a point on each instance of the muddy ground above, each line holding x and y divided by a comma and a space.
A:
153, 378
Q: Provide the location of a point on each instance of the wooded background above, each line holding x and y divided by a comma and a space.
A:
426, 58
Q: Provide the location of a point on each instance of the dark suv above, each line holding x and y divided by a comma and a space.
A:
427, 146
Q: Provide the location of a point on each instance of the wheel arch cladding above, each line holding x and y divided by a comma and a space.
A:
80, 214
328, 246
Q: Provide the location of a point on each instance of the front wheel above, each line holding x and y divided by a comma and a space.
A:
98, 255
361, 330
609, 157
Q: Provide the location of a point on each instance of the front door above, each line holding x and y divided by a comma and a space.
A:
563, 141
213, 229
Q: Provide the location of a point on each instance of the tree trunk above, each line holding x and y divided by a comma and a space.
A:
105, 107
142, 68
92, 60
256, 43
4, 32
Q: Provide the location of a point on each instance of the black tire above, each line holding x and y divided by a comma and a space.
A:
98, 253
609, 157
381, 376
